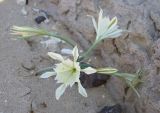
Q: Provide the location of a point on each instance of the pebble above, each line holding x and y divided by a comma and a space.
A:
24, 11
103, 96
21, 2
40, 19
111, 109
5, 101
66, 51
46, 21
49, 42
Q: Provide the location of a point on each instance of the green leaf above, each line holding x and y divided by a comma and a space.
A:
126, 76
131, 80
48, 74
84, 65
134, 89
113, 22
107, 70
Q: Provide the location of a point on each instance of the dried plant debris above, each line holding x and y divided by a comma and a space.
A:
111, 109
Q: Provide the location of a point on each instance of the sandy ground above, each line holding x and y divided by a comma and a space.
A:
20, 91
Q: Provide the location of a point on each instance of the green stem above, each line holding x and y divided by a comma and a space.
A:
39, 72
66, 39
86, 54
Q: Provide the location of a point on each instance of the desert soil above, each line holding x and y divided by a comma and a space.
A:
138, 49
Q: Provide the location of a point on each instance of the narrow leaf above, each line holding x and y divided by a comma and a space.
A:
47, 74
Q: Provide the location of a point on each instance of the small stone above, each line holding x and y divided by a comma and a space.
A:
27, 1
21, 2
46, 21
5, 101
103, 96
40, 19
66, 51
78, 2
24, 11
50, 42
112, 109
81, 51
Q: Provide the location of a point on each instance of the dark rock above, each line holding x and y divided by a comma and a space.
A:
40, 19
111, 109
93, 80
27, 1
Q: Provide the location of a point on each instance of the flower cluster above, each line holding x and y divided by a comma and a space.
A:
26, 32
68, 72
106, 28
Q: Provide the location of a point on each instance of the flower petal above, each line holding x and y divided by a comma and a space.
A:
100, 17
75, 53
113, 22
55, 56
81, 90
66, 74
47, 74
94, 23
60, 90
89, 70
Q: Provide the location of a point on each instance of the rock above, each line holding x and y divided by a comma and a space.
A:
40, 19
52, 44
24, 11
21, 2
66, 51
93, 80
111, 109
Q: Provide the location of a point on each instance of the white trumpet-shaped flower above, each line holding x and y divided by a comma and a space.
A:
68, 72
106, 28
26, 32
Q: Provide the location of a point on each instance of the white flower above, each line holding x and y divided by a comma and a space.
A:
106, 28
26, 32
68, 72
